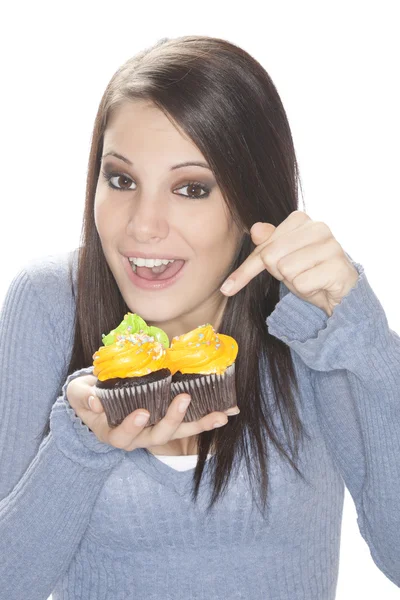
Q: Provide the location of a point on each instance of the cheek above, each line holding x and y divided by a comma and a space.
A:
104, 217
98, 210
208, 232
96, 216
215, 251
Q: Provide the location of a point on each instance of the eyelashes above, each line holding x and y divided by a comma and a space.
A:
193, 184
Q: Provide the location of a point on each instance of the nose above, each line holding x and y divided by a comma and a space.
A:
147, 220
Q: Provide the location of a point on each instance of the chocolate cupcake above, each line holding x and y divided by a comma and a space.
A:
202, 363
132, 371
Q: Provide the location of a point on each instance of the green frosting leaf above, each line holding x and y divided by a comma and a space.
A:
137, 324
159, 335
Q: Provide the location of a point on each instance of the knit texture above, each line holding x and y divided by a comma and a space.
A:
81, 520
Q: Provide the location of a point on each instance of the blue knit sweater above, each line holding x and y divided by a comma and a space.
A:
80, 519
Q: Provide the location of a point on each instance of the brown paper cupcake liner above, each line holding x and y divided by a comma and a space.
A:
119, 402
208, 392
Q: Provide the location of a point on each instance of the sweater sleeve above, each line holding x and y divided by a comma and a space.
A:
47, 488
354, 362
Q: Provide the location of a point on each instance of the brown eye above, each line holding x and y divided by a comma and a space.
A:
194, 190
194, 186
122, 181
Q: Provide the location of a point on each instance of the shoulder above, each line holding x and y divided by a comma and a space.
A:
52, 273
39, 306
51, 280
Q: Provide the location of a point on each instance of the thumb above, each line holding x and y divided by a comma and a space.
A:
260, 232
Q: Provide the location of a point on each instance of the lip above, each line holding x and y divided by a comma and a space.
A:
151, 285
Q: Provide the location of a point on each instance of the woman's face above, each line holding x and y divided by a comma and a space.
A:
155, 215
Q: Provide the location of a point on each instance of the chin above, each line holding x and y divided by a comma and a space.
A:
152, 312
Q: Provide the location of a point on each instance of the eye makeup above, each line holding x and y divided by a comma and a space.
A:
110, 174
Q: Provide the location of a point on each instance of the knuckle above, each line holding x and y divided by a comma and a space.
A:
159, 435
302, 286
217, 417
300, 216
117, 443
115, 439
285, 268
336, 247
160, 440
323, 228
171, 421
267, 256
196, 427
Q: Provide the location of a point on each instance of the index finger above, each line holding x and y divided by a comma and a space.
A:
253, 265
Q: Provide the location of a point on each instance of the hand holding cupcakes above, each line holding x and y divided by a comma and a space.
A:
136, 368
133, 432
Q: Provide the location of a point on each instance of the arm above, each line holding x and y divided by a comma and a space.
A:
354, 358
45, 501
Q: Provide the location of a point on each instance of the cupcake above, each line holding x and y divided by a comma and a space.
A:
202, 363
132, 371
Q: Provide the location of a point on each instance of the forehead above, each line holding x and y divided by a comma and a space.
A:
142, 121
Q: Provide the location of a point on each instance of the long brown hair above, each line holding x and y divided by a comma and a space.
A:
227, 104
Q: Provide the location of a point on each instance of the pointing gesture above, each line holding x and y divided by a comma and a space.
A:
304, 255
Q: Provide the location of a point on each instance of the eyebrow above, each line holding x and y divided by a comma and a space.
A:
178, 166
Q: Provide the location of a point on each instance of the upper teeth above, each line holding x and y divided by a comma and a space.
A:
149, 262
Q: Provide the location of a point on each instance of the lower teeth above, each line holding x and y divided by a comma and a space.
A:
160, 268
154, 269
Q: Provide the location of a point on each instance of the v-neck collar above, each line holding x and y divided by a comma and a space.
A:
179, 481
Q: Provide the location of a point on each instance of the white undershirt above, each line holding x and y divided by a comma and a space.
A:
180, 463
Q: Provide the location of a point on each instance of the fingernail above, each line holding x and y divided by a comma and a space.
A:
91, 399
183, 405
141, 419
227, 286
232, 411
218, 425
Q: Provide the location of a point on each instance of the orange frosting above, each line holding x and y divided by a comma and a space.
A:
132, 355
202, 351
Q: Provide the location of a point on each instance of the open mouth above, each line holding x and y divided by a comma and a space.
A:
155, 278
160, 272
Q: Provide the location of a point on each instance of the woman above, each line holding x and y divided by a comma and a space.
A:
91, 512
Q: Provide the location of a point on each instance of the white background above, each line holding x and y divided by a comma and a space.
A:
336, 67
